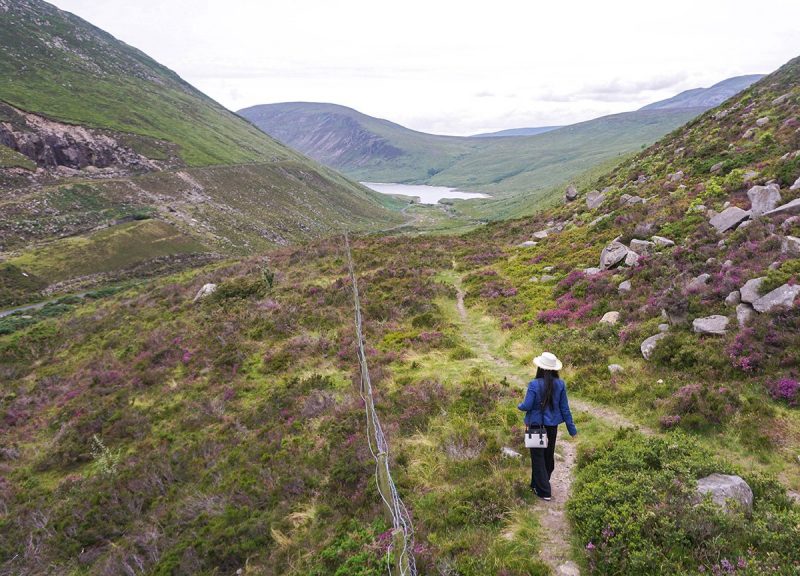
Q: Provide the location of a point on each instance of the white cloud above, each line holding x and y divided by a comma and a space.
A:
454, 66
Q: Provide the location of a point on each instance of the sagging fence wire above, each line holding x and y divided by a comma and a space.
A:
400, 555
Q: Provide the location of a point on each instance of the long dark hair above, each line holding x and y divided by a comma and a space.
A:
548, 376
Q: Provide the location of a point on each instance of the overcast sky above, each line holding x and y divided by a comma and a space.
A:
455, 67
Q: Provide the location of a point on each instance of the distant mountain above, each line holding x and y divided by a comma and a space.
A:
706, 97
517, 170
94, 133
517, 132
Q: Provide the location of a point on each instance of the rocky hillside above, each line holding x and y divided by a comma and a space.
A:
95, 134
210, 422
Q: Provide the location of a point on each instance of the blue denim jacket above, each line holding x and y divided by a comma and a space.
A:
555, 413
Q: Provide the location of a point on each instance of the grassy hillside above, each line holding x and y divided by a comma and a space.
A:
76, 92
58, 65
144, 432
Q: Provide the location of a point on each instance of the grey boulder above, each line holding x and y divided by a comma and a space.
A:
792, 207
594, 199
729, 218
734, 298
763, 199
624, 286
726, 491
662, 242
781, 298
613, 254
796, 185
610, 318
641, 246
615, 368
649, 345
750, 292
571, 193
715, 324
791, 245
698, 283
206, 290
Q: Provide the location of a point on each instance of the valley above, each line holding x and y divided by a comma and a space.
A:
181, 390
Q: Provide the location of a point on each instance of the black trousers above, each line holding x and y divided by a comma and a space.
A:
542, 464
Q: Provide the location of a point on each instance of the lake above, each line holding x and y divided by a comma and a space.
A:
426, 194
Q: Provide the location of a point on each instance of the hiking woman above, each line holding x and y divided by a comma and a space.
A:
546, 403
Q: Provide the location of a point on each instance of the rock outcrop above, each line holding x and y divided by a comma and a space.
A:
783, 297
613, 254
594, 199
763, 199
729, 218
206, 290
649, 345
750, 292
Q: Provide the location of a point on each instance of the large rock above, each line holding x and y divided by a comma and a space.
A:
613, 254
791, 245
641, 246
624, 286
571, 193
729, 218
763, 199
729, 492
649, 345
796, 185
206, 290
750, 292
610, 318
780, 298
744, 313
762, 121
715, 324
792, 207
662, 242
631, 258
541, 234
594, 199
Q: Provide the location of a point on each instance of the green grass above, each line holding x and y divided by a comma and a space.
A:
107, 250
12, 159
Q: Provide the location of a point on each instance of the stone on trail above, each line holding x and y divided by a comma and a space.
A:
610, 318
649, 345
763, 199
750, 291
726, 489
744, 313
206, 290
715, 324
782, 297
729, 218
569, 568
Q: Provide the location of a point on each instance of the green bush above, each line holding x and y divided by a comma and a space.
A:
633, 511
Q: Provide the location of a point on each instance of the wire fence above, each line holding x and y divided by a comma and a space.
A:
400, 555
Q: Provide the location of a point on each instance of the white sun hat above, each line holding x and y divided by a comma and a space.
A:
547, 361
